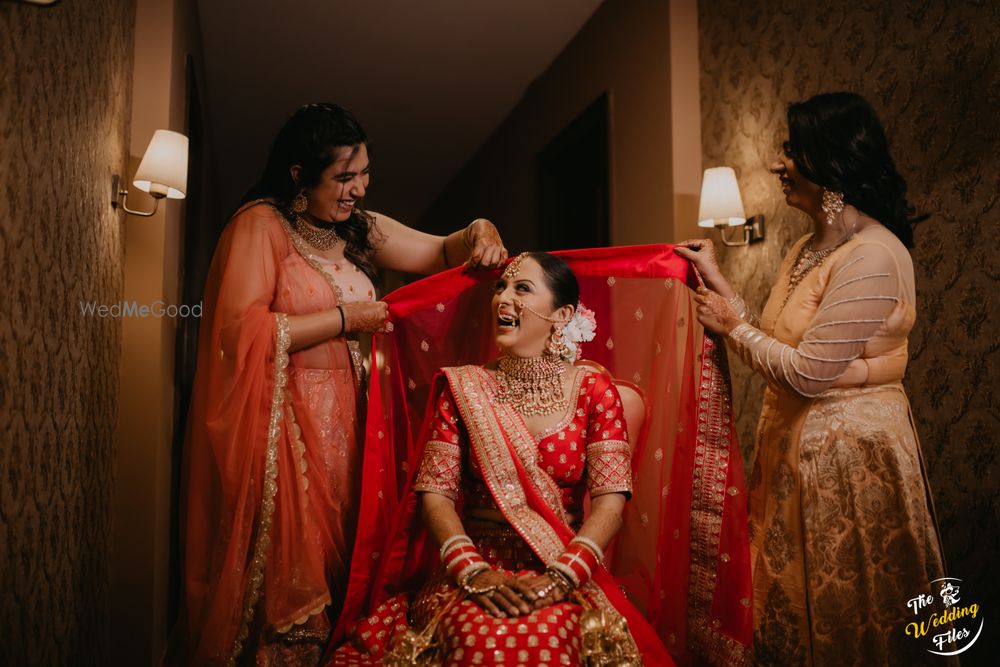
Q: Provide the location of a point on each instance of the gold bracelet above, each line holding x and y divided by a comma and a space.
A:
561, 579
543, 592
466, 574
465, 583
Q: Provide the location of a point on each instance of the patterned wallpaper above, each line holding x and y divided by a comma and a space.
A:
65, 103
930, 67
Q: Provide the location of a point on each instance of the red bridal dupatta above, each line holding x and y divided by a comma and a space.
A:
682, 555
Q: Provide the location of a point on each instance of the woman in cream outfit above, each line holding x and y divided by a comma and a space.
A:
841, 522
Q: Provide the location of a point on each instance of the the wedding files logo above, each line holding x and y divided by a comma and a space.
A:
948, 624
136, 309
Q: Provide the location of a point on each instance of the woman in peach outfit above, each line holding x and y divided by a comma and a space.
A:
272, 456
841, 521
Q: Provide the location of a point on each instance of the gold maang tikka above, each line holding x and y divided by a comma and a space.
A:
514, 267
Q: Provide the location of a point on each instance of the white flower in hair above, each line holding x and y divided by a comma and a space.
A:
580, 329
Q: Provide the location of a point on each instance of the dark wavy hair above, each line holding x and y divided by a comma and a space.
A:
837, 142
559, 278
311, 138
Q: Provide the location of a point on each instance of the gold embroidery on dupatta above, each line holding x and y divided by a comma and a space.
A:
469, 385
282, 341
708, 496
486, 436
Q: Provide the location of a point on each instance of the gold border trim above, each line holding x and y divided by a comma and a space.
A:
282, 341
708, 498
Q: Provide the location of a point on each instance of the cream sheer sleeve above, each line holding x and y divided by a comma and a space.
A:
862, 291
743, 311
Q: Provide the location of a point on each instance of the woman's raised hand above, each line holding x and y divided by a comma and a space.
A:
701, 253
486, 248
366, 316
503, 596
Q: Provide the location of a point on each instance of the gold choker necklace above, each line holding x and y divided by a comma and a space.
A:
532, 385
321, 238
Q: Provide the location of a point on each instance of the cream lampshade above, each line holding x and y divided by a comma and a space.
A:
163, 170
721, 203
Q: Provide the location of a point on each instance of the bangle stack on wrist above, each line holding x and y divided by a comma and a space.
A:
578, 562
590, 544
461, 560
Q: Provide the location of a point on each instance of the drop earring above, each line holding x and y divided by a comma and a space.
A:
557, 345
300, 202
833, 205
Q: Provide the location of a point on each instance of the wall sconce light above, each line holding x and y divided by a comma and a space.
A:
37, 3
721, 206
162, 172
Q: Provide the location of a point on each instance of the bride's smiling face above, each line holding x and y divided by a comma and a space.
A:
517, 330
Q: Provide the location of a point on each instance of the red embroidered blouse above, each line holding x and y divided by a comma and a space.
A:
591, 439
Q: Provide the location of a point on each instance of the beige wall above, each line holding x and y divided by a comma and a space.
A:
625, 49
933, 76
65, 99
166, 34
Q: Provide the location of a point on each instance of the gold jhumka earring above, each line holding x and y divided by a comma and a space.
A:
300, 202
833, 205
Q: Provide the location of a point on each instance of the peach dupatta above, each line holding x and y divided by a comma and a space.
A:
261, 546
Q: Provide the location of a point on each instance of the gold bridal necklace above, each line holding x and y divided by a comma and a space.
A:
532, 385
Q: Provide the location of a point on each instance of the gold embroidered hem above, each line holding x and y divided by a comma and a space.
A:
282, 341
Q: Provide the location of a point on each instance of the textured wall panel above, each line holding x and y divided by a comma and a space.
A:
930, 68
65, 101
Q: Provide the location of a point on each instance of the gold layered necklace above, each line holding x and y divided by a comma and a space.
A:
321, 238
532, 385
807, 260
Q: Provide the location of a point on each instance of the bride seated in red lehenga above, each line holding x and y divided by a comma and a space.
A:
509, 453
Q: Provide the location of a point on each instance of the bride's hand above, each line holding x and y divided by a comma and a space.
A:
701, 253
506, 595
544, 590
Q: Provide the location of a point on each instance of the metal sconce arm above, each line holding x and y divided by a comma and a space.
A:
752, 232
119, 197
